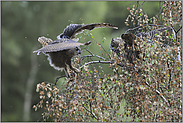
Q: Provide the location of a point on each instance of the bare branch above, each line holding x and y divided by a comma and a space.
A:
88, 51
159, 94
163, 97
83, 57
101, 47
90, 112
142, 26
94, 62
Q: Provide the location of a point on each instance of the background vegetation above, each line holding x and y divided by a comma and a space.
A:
21, 25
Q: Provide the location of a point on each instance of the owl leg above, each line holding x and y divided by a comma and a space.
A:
67, 71
67, 74
73, 68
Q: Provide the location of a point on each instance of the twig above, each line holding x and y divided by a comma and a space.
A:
88, 51
178, 54
142, 4
159, 14
158, 93
142, 26
90, 112
163, 97
101, 46
83, 57
94, 62
110, 89
59, 78
178, 29
29, 87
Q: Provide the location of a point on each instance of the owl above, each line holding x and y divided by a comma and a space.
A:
128, 43
61, 51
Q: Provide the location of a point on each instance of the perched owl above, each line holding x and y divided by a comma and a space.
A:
73, 29
62, 50
128, 43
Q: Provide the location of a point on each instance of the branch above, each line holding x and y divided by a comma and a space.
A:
101, 46
178, 29
159, 94
142, 26
94, 62
90, 112
88, 51
163, 97
59, 78
83, 57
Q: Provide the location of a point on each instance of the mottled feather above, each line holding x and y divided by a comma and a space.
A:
58, 45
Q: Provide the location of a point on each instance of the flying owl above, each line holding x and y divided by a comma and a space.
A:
61, 51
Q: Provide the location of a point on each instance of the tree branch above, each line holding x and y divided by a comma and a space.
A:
83, 57
142, 26
90, 112
94, 62
158, 94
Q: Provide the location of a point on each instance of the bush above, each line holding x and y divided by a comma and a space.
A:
145, 84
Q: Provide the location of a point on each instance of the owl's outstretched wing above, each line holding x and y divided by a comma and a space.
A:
58, 45
73, 29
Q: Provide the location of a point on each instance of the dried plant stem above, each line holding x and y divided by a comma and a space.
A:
158, 94
90, 112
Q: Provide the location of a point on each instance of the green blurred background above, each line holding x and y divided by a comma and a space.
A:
21, 25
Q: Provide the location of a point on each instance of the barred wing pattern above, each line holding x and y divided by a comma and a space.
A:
73, 29
154, 34
58, 45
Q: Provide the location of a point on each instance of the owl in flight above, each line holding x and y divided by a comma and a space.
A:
61, 51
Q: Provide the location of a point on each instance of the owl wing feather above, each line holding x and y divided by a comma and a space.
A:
58, 45
73, 29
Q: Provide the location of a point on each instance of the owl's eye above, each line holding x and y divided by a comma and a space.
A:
77, 48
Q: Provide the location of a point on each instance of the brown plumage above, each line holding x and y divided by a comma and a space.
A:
60, 53
128, 43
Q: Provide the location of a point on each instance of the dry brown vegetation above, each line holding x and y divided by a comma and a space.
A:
147, 90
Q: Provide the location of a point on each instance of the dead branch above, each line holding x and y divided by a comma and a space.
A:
94, 62
158, 94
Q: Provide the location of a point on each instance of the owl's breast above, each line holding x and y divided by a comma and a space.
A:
58, 59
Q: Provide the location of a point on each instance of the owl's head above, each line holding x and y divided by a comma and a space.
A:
77, 51
74, 51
